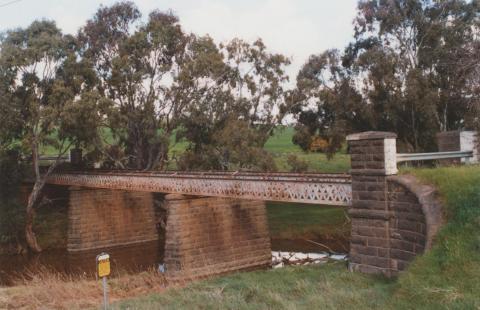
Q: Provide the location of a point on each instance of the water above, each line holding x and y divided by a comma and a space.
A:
136, 258
132, 259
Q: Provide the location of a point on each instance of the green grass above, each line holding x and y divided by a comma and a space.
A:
318, 287
281, 141
293, 221
447, 277
317, 162
280, 145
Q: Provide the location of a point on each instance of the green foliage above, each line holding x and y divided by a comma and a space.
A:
11, 172
44, 81
281, 147
297, 165
235, 146
136, 66
409, 70
161, 81
236, 89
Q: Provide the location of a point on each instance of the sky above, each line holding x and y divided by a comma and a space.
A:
295, 28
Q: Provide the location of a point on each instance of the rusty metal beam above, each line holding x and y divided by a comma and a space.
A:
329, 189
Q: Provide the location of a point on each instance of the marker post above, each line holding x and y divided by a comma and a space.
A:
103, 270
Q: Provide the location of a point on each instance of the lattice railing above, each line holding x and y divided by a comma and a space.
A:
329, 189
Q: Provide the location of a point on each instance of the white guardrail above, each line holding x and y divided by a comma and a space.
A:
50, 159
400, 157
433, 156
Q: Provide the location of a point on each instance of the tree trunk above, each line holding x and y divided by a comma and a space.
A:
30, 214
30, 236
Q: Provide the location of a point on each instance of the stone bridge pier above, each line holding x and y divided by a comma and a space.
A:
394, 218
205, 236
208, 236
104, 218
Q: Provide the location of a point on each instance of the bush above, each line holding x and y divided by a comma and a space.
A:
297, 165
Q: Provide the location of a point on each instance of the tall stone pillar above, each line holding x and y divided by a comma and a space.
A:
208, 236
373, 159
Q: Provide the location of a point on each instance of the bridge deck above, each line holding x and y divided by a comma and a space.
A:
313, 188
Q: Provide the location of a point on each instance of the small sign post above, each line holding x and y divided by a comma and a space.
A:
103, 270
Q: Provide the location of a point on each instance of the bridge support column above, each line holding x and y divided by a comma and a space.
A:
394, 218
373, 158
209, 236
102, 218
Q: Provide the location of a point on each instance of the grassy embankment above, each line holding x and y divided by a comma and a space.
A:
448, 277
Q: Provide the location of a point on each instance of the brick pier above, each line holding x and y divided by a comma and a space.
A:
102, 218
208, 236
394, 218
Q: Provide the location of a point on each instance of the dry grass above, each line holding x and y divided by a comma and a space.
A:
50, 290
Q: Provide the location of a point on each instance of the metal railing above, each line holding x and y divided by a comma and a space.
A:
433, 156
313, 188
47, 160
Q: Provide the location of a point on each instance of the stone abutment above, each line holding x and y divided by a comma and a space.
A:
394, 218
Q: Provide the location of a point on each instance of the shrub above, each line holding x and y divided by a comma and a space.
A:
297, 164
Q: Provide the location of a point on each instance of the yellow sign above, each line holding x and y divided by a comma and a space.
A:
103, 265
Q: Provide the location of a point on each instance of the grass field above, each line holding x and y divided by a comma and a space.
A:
447, 277
280, 146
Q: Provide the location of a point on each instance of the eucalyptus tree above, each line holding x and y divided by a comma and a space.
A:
242, 100
10, 118
327, 104
405, 70
257, 84
40, 74
136, 65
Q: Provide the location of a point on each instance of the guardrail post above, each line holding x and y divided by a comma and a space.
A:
470, 141
373, 159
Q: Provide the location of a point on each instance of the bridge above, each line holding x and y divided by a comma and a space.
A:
216, 221
313, 188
